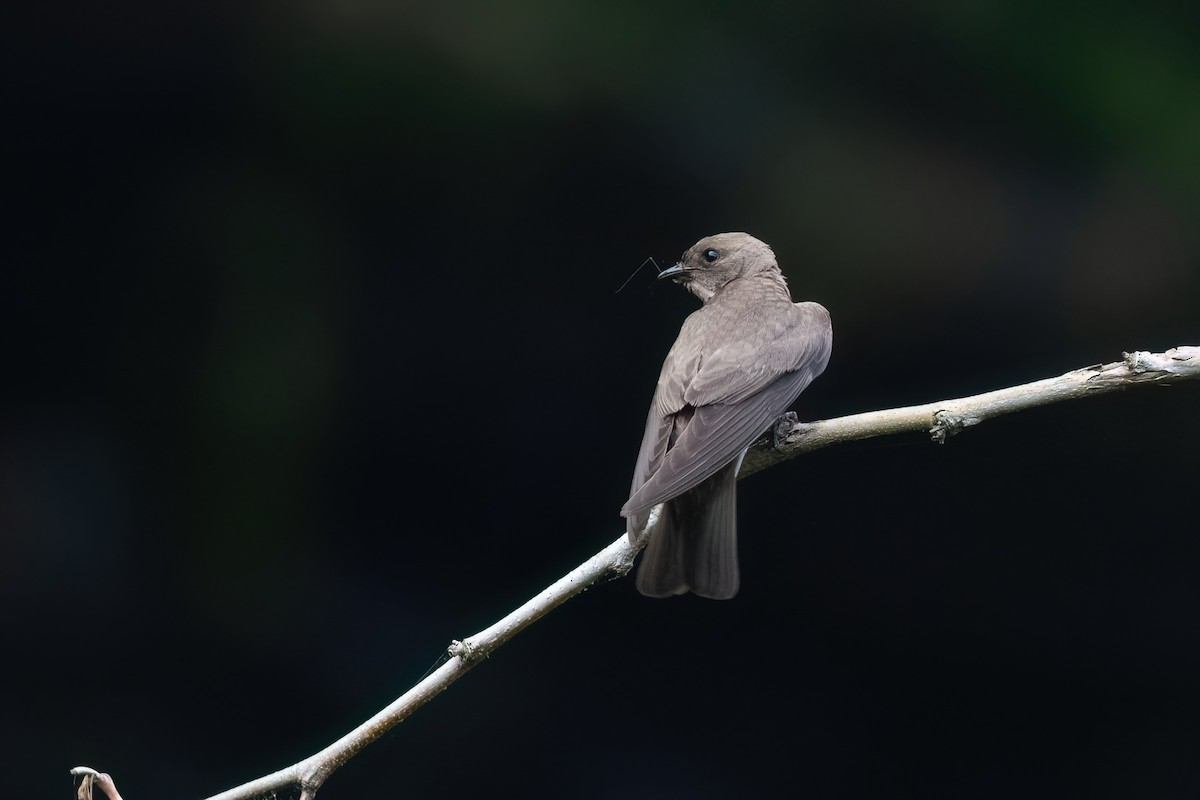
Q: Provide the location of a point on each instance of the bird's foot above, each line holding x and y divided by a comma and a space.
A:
782, 427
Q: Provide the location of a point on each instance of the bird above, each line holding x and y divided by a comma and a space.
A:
738, 363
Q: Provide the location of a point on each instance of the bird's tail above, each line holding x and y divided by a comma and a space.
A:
694, 545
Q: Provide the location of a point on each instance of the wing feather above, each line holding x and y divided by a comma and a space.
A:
715, 436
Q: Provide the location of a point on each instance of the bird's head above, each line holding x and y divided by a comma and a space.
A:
711, 263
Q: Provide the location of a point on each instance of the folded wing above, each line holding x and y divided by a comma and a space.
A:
734, 396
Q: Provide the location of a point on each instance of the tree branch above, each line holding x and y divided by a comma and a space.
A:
940, 419
948, 417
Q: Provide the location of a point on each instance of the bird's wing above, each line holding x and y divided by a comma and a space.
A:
738, 391
650, 456
662, 423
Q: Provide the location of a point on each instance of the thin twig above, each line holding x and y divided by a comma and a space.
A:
940, 419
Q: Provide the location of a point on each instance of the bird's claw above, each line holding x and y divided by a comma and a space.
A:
782, 427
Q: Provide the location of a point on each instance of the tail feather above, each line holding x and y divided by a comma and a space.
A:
712, 563
693, 547
664, 561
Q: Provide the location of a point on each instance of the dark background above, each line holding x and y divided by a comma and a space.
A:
312, 362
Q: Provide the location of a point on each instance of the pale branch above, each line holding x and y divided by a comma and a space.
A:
948, 417
89, 779
611, 562
939, 419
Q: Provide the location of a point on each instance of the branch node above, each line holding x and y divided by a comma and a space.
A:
1138, 361
945, 425
468, 651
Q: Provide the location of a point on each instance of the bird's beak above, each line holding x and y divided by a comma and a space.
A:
672, 272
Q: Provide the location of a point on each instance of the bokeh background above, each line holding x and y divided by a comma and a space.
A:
313, 361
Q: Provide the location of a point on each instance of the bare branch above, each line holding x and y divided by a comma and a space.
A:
611, 562
940, 419
89, 778
948, 417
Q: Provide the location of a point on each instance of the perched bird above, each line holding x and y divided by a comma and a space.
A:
739, 362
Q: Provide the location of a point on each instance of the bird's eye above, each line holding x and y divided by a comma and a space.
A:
711, 255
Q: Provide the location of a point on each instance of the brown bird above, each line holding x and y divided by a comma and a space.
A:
739, 362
